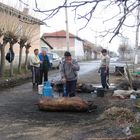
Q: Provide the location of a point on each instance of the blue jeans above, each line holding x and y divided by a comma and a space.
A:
104, 77
71, 88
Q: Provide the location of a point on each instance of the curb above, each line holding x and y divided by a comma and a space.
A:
133, 137
15, 81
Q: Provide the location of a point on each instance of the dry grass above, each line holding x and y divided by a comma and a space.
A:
119, 114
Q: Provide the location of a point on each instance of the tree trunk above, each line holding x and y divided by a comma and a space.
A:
123, 58
20, 59
137, 36
11, 64
11, 69
95, 55
2, 70
26, 59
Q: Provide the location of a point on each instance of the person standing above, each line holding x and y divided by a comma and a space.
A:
68, 70
35, 67
44, 66
104, 69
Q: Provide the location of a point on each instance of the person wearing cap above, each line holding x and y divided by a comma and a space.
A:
68, 70
35, 67
104, 69
44, 66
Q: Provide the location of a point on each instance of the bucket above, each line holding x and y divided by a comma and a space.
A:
119, 70
40, 89
132, 96
100, 92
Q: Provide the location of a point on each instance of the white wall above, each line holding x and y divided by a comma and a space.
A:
79, 49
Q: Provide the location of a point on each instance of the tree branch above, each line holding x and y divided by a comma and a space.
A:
126, 7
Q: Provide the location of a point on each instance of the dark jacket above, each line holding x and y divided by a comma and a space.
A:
45, 62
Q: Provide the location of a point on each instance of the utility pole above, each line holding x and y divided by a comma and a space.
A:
96, 37
137, 35
67, 28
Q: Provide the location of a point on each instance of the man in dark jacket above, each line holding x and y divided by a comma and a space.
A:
44, 66
68, 70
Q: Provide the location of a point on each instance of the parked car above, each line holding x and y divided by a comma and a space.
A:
55, 60
114, 59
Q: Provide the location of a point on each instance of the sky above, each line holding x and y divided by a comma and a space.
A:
90, 33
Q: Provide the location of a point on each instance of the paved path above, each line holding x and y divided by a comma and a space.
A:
20, 118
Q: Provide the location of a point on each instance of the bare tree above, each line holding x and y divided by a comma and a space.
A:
2, 49
14, 34
32, 38
14, 40
10, 35
28, 46
2, 46
15, 29
126, 8
27, 34
122, 50
22, 43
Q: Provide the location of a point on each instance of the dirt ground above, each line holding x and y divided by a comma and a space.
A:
21, 119
94, 78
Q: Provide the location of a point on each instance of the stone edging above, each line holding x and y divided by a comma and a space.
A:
133, 137
14, 81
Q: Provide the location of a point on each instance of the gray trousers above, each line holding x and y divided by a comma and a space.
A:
35, 75
105, 77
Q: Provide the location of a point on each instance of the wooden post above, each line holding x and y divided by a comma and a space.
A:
137, 35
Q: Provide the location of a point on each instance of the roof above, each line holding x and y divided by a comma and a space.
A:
60, 34
43, 39
22, 17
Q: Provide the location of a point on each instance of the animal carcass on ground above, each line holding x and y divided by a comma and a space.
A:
65, 104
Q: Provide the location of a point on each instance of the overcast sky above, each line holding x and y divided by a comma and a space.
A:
58, 22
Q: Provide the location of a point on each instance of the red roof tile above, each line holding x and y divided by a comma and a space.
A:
61, 33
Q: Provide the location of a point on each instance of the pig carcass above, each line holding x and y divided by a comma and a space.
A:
64, 104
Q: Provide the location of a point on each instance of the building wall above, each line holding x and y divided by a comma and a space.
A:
59, 45
79, 50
